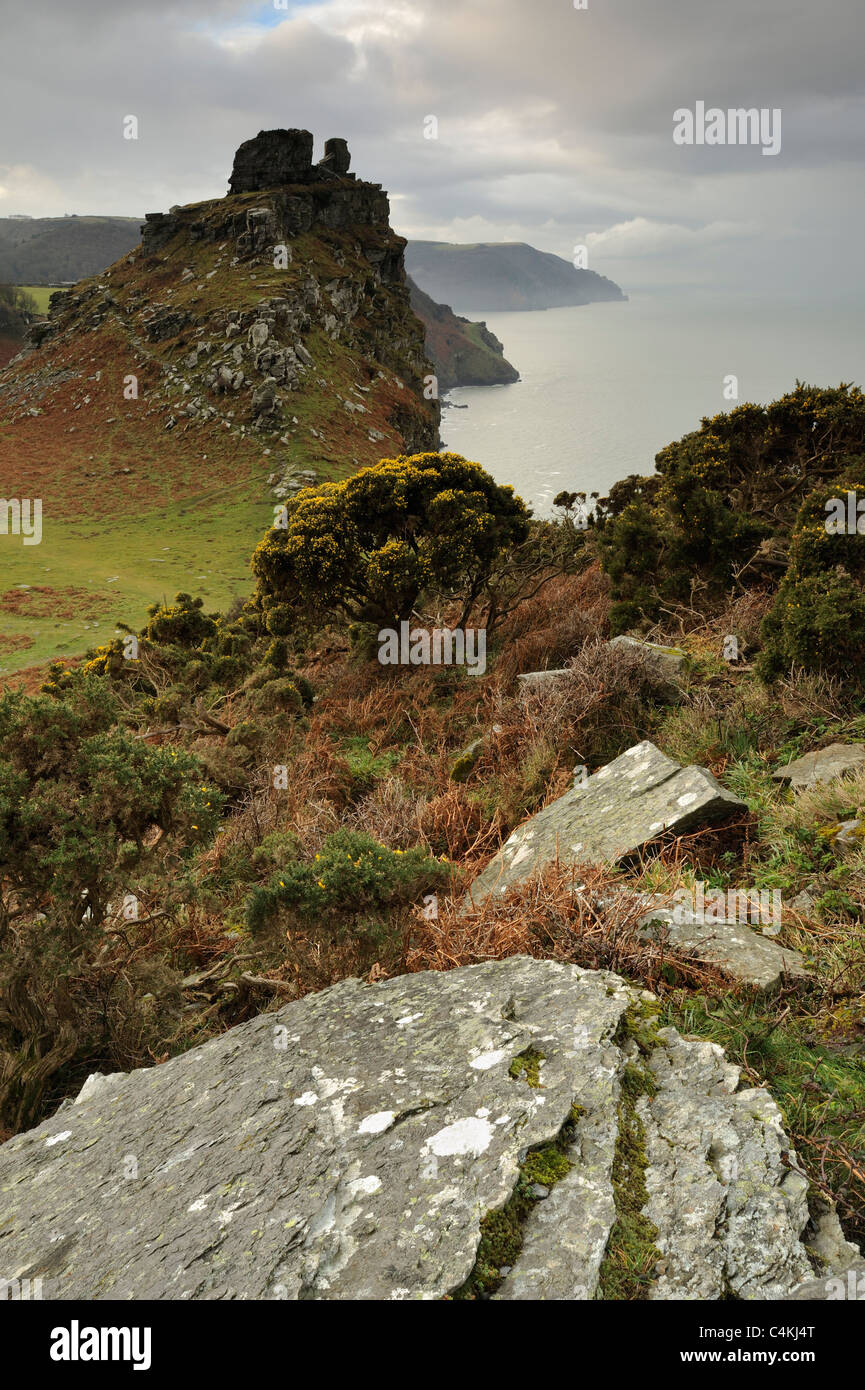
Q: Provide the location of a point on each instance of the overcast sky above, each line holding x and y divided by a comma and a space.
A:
555, 125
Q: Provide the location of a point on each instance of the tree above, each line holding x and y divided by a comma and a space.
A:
365, 549
17, 309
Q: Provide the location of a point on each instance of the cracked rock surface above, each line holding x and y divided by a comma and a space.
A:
349, 1145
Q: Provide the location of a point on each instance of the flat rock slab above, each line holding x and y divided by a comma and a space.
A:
673, 658
615, 813
740, 952
349, 1145
539, 680
823, 765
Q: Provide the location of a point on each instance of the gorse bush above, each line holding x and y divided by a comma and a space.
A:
818, 619
85, 810
724, 498
365, 549
79, 796
352, 875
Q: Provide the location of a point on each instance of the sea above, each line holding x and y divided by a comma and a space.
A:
605, 386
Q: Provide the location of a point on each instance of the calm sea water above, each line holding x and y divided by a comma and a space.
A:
605, 386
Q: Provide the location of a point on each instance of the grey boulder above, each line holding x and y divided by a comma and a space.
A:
615, 813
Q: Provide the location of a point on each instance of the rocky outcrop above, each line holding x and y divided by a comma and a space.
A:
614, 814
272, 158
370, 1142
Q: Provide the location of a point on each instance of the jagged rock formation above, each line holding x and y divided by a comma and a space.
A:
358, 1143
615, 813
272, 158
236, 294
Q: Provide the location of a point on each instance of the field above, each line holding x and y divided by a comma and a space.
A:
40, 293
68, 593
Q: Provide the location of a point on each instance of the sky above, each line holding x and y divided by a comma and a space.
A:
555, 125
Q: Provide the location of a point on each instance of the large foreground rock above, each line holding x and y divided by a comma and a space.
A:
349, 1146
615, 813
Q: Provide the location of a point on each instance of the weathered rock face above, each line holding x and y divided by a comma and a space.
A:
824, 765
619, 810
271, 158
351, 1145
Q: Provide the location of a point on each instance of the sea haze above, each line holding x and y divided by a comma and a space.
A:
605, 386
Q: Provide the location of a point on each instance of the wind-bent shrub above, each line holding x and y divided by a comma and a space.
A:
365, 549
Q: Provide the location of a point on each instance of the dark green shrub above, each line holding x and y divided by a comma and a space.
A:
351, 875
818, 619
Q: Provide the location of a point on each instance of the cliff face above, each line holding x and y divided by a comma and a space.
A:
247, 340
463, 353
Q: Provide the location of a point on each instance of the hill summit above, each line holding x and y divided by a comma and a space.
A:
250, 343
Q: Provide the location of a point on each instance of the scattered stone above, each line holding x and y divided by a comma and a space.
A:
742, 953
348, 1145
465, 763
615, 813
850, 834
823, 765
537, 680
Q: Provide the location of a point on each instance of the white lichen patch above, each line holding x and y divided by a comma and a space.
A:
57, 1138
378, 1123
464, 1138
489, 1059
367, 1186
308, 1098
